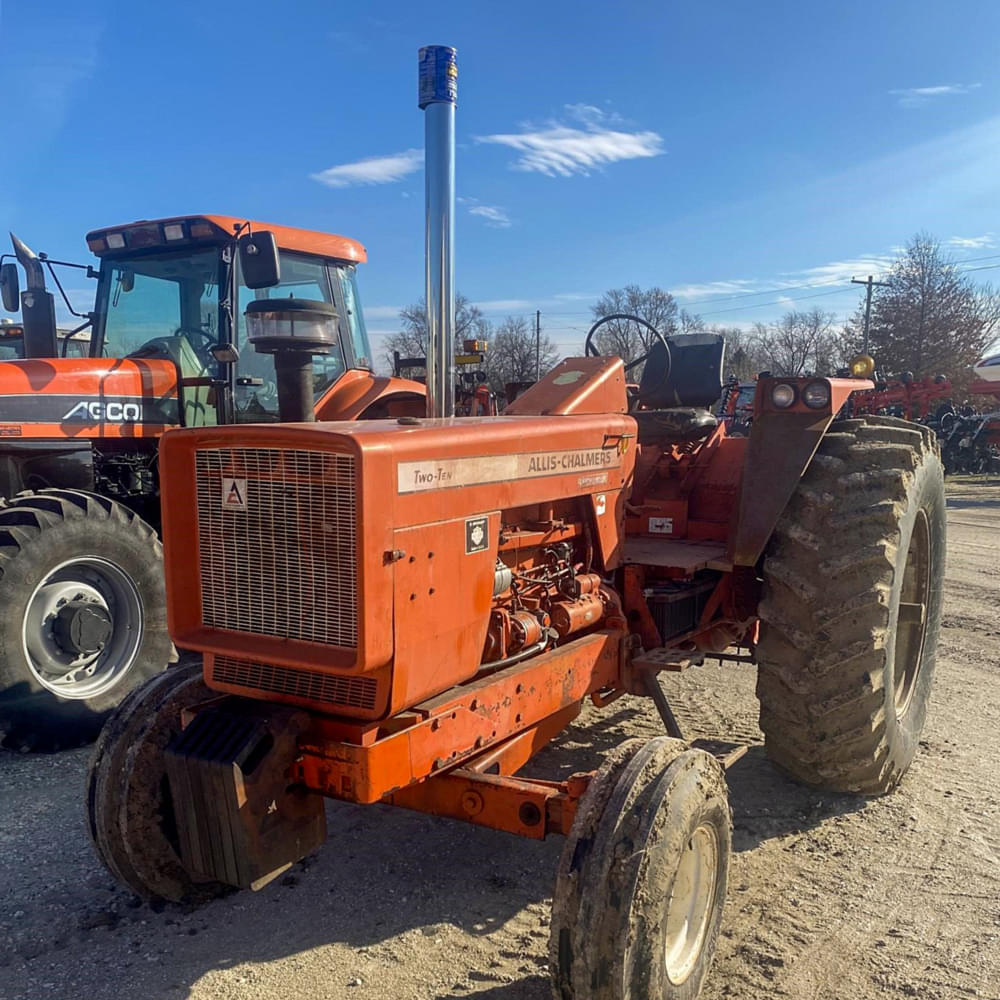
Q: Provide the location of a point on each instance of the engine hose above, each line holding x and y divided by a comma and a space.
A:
509, 661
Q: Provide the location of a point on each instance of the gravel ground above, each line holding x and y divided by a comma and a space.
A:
829, 896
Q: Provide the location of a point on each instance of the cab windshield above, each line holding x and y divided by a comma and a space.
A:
167, 305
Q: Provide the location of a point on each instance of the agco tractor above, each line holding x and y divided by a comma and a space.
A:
82, 613
405, 611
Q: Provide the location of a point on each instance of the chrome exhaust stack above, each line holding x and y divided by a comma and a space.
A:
438, 95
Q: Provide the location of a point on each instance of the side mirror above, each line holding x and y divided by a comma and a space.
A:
10, 287
259, 262
126, 279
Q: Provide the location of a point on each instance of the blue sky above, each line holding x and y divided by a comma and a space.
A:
728, 151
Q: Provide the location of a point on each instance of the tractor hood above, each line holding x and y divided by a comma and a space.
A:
69, 398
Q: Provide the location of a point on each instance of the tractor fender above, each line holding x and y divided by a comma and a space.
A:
357, 392
781, 446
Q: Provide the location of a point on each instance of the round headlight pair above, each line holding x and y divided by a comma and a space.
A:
816, 395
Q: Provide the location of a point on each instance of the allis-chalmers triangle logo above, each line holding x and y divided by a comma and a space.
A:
234, 494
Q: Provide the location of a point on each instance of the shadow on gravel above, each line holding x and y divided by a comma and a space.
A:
532, 988
387, 885
766, 804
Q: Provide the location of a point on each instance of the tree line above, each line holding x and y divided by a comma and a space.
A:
928, 318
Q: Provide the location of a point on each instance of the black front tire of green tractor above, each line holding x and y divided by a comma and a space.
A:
851, 608
82, 615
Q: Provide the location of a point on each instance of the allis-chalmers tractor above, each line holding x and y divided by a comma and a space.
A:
406, 611
82, 607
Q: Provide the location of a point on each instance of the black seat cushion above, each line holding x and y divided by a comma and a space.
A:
695, 375
674, 426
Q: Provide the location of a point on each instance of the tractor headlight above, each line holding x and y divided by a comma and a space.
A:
816, 395
783, 395
862, 366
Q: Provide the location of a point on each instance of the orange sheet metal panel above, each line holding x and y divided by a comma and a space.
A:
87, 398
462, 724
356, 391
288, 237
452, 479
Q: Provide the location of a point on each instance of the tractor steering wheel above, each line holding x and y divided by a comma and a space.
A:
590, 348
201, 342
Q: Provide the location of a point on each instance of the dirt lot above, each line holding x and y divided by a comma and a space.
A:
829, 896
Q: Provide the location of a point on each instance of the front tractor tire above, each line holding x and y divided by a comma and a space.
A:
851, 608
82, 615
642, 879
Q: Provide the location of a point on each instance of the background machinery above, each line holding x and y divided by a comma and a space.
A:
82, 612
405, 611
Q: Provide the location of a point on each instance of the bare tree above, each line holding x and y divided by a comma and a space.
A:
743, 354
511, 354
800, 343
411, 341
931, 319
630, 340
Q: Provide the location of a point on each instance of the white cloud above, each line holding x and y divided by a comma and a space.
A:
372, 170
381, 312
504, 305
984, 242
915, 97
706, 289
843, 270
494, 215
558, 149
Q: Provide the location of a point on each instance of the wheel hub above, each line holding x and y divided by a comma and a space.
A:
690, 905
82, 628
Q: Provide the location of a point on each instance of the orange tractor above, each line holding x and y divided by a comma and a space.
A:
405, 611
82, 607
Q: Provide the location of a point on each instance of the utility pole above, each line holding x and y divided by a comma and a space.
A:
538, 344
868, 303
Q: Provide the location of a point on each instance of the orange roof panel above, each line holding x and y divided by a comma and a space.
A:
289, 238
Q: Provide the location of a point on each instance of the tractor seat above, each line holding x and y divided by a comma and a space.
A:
673, 408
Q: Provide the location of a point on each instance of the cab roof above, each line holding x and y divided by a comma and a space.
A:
289, 238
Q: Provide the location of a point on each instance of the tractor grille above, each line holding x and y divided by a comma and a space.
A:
280, 560
310, 685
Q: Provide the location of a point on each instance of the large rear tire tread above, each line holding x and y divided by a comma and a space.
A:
38, 531
832, 577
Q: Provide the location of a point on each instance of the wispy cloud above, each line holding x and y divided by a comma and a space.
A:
843, 270
495, 216
707, 289
558, 149
915, 97
381, 312
504, 305
984, 242
372, 170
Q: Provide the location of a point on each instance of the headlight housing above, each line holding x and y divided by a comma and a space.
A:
783, 395
816, 395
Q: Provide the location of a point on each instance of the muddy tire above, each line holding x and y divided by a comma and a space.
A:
851, 608
130, 814
82, 615
642, 880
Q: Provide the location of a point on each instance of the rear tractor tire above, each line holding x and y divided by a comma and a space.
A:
642, 880
82, 615
851, 608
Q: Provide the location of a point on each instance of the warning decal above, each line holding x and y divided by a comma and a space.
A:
234, 494
442, 474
